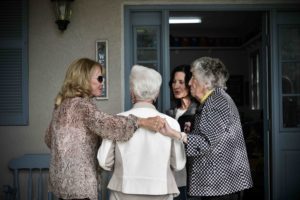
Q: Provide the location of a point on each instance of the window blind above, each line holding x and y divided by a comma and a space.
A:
13, 63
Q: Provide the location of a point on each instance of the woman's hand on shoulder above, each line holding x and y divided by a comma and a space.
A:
152, 123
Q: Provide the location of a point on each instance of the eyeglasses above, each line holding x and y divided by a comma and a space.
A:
100, 79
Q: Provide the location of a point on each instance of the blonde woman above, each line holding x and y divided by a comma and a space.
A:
76, 126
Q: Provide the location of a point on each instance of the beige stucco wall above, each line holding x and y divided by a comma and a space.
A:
50, 52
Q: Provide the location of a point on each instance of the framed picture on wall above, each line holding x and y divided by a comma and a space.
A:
101, 57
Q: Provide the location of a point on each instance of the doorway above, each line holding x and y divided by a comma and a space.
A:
236, 39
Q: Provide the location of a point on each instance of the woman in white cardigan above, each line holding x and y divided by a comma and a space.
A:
143, 166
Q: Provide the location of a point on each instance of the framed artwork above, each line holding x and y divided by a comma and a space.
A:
101, 57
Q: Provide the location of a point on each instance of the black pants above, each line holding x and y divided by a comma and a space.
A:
182, 195
74, 199
233, 196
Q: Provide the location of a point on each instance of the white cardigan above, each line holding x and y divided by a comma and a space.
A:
145, 163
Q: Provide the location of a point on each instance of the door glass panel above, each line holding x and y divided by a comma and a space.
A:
291, 78
146, 37
146, 49
146, 46
291, 111
146, 54
290, 43
289, 39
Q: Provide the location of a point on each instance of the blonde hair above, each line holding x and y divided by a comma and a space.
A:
77, 80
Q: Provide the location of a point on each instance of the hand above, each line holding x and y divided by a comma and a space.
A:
152, 123
168, 131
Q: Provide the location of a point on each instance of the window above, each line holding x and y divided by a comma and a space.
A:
289, 38
13, 63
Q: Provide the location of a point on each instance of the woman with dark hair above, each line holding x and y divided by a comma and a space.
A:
183, 111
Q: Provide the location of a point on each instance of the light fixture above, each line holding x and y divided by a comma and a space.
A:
63, 12
184, 20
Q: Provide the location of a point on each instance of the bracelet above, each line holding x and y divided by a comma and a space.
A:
183, 137
182, 134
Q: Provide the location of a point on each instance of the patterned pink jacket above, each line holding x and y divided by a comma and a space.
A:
73, 139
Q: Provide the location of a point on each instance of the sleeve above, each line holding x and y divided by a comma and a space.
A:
47, 138
106, 154
178, 156
208, 130
112, 127
48, 135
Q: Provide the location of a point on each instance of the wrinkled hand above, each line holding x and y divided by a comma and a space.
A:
165, 129
155, 123
168, 131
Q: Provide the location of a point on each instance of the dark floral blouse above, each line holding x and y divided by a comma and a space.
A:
73, 137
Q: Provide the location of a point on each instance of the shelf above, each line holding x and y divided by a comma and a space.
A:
244, 45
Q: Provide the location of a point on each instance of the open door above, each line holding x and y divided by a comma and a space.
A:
265, 78
285, 89
239, 39
151, 41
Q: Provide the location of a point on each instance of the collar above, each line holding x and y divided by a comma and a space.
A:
144, 105
206, 96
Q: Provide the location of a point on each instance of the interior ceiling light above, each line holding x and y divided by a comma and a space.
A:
184, 20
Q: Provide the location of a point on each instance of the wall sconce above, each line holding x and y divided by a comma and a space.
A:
63, 12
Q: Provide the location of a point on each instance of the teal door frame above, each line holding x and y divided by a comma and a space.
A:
129, 23
285, 141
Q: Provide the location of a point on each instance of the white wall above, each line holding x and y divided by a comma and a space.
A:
50, 52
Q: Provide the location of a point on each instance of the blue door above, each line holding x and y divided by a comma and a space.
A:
144, 45
285, 105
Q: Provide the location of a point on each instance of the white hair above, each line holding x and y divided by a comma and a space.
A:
211, 72
145, 82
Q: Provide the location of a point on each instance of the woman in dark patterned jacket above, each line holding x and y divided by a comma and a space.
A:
218, 164
183, 111
73, 133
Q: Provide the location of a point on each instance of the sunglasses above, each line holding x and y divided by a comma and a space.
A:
100, 79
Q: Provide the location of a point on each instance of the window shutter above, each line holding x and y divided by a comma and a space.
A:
13, 63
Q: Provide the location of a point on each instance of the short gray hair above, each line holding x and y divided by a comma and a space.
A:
210, 71
145, 82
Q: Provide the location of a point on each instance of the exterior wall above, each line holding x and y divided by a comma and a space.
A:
50, 53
